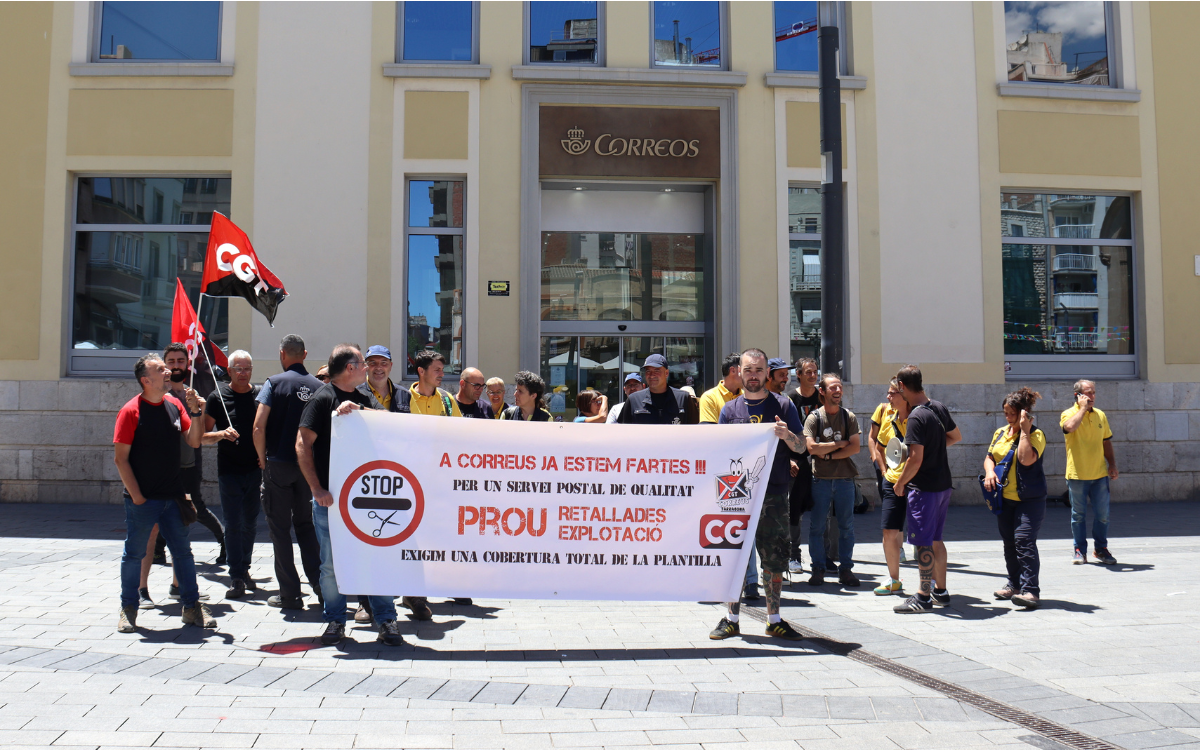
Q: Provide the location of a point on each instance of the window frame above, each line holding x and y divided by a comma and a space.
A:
723, 19
601, 40
97, 42
800, 237
1112, 50
1065, 365
400, 40
407, 375
126, 356
839, 9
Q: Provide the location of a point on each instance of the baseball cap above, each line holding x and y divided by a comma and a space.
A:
633, 376
776, 363
379, 351
655, 360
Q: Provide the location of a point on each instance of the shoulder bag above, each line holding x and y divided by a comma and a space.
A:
995, 498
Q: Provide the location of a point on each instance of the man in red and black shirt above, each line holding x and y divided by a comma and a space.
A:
147, 447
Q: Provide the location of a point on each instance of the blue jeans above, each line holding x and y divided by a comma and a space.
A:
240, 502
139, 521
1081, 490
752, 568
840, 494
382, 607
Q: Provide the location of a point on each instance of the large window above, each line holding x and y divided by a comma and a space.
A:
1059, 42
796, 30
564, 32
434, 289
689, 33
1068, 275
133, 237
804, 247
622, 276
150, 31
438, 31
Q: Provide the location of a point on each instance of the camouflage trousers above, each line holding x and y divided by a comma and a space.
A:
773, 537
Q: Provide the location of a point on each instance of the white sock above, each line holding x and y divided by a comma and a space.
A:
732, 617
772, 619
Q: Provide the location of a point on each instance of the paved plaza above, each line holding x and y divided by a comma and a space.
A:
1112, 655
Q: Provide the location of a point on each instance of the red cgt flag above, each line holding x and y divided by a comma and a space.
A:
231, 269
187, 329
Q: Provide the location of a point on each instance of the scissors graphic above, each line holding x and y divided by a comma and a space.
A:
382, 521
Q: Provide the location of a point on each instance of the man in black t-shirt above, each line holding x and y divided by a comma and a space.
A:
471, 403
146, 442
927, 482
347, 371
239, 479
659, 403
806, 399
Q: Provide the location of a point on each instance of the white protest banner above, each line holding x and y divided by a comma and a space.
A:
431, 506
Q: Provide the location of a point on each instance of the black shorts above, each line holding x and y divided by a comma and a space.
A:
894, 508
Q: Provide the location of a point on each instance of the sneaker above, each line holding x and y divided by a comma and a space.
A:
892, 586
286, 602
1026, 600
750, 592
128, 620
363, 613
173, 593
237, 589
817, 578
221, 558
782, 630
903, 557
847, 578
1103, 557
914, 604
334, 633
725, 629
199, 615
1005, 593
419, 606
1079, 558
144, 600
794, 567
389, 633
464, 601
941, 597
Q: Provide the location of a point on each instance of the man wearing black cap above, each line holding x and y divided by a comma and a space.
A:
659, 403
633, 384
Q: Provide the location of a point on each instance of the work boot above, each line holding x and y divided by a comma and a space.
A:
199, 615
128, 620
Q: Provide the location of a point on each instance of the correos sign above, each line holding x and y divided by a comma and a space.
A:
609, 145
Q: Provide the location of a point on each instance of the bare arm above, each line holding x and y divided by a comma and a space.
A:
820, 449
195, 434
1025, 452
1072, 423
210, 436
125, 469
916, 454
851, 447
1111, 458
953, 436
260, 434
990, 480
873, 445
308, 467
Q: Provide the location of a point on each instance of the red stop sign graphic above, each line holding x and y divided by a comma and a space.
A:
383, 500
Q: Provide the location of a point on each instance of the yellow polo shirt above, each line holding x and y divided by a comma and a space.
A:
432, 404
385, 400
713, 400
887, 431
1001, 442
1085, 446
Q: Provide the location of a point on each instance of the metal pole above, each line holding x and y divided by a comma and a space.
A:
833, 255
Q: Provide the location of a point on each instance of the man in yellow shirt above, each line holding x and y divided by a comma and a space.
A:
379, 388
425, 397
727, 389
1090, 466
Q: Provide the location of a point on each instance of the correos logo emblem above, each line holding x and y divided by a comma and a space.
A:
575, 145
382, 503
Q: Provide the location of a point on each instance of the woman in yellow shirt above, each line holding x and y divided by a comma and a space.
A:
890, 420
1021, 517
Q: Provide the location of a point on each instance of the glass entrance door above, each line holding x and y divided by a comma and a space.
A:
571, 364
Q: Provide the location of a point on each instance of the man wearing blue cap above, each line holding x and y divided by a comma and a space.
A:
379, 387
778, 372
633, 384
659, 403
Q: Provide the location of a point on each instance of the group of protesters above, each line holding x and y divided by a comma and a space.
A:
274, 445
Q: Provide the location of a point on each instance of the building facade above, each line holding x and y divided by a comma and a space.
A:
569, 187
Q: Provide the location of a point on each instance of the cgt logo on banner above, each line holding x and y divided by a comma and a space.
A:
543, 510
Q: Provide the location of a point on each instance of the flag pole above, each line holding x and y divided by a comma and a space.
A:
210, 369
192, 364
